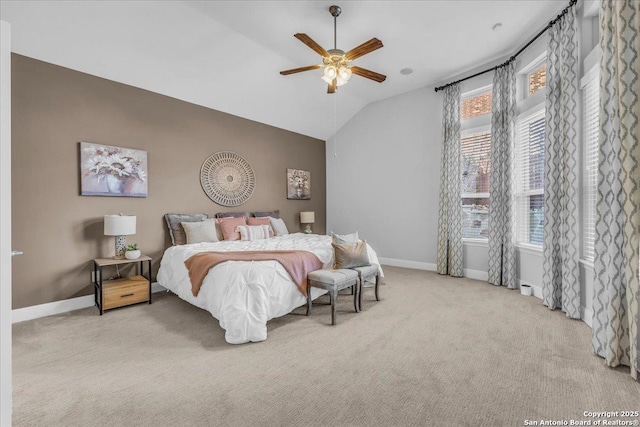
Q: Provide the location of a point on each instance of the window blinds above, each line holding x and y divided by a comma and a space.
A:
529, 177
591, 128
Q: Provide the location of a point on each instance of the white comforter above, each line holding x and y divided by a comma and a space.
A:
244, 295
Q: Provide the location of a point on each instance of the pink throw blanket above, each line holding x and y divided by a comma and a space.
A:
297, 263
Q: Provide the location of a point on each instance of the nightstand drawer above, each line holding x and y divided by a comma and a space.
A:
126, 291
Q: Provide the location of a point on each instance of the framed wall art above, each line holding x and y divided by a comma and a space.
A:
106, 170
298, 184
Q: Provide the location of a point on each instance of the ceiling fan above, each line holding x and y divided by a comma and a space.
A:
336, 63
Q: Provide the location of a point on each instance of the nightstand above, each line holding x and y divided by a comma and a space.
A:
124, 291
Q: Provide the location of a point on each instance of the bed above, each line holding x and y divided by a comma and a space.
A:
244, 295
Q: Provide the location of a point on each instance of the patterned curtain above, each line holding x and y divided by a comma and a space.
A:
449, 214
561, 273
615, 302
502, 244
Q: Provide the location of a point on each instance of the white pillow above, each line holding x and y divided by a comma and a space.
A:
253, 232
279, 227
201, 231
342, 239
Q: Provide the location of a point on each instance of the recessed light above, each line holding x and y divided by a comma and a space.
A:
496, 26
406, 71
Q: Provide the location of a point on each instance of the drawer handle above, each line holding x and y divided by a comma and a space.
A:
126, 295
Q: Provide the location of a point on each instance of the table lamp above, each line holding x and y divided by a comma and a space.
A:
307, 218
120, 226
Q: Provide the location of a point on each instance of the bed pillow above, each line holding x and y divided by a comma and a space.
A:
198, 232
345, 238
279, 227
232, 214
254, 232
176, 231
273, 214
261, 221
350, 255
229, 227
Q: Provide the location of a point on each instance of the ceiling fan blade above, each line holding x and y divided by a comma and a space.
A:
363, 49
301, 69
312, 44
332, 87
372, 75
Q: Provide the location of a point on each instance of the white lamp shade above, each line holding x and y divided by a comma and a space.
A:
307, 217
119, 225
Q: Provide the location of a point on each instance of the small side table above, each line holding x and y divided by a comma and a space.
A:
124, 291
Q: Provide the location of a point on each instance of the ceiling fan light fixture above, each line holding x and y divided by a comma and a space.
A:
344, 73
340, 81
330, 72
327, 79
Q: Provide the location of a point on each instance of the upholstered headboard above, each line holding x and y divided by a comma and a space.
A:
274, 214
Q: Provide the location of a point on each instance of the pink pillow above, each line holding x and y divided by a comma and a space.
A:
261, 221
228, 226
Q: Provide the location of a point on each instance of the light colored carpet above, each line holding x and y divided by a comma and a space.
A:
434, 351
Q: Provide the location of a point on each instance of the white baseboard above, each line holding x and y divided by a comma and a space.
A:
416, 265
586, 315
475, 274
57, 307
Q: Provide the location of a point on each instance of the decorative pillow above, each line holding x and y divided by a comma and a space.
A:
273, 214
219, 234
203, 231
261, 221
279, 227
254, 232
174, 220
229, 225
350, 255
232, 214
345, 238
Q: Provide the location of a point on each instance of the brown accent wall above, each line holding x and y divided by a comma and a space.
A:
60, 232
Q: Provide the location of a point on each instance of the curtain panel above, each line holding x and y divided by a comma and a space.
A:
561, 244
502, 244
616, 264
450, 203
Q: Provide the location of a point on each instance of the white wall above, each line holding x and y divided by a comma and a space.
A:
383, 179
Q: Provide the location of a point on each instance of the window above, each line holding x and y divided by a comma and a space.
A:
529, 171
537, 79
475, 164
591, 126
476, 105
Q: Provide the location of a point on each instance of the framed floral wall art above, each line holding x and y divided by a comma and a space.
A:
298, 184
106, 170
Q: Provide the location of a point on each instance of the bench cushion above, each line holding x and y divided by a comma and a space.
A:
332, 277
367, 270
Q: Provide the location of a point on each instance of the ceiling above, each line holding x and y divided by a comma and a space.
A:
227, 55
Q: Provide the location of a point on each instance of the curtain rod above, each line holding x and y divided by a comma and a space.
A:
513, 57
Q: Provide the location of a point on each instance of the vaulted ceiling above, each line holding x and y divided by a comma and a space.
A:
227, 55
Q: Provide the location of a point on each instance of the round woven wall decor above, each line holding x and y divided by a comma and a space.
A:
227, 178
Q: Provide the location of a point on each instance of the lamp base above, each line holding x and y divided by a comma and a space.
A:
121, 244
308, 229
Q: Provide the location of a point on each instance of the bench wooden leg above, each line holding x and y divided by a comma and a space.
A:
377, 286
308, 299
356, 294
334, 301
